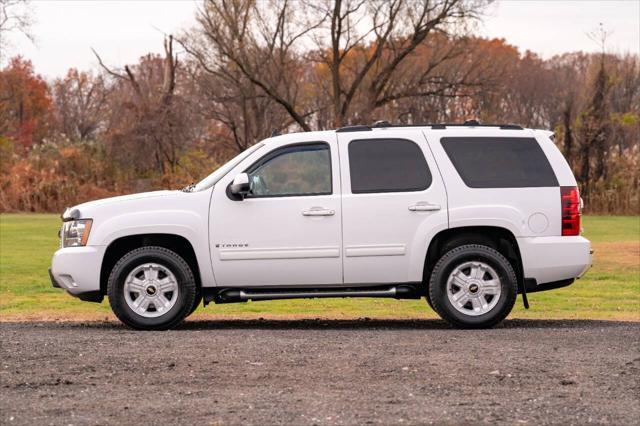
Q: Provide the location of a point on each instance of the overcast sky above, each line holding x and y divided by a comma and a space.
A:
122, 31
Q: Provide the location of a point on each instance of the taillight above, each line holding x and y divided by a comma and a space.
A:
570, 206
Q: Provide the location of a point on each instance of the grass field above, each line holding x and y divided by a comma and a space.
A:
610, 290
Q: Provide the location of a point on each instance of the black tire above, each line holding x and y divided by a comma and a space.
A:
196, 302
428, 299
171, 261
457, 256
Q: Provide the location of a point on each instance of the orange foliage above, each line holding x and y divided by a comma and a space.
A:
51, 178
25, 110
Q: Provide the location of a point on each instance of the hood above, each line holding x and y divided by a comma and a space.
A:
85, 209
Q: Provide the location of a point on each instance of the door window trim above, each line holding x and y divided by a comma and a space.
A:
284, 150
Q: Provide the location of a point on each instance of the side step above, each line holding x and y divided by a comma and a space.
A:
232, 295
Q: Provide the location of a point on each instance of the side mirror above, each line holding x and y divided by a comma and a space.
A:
240, 185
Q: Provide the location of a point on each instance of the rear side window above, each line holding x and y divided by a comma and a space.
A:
387, 165
500, 162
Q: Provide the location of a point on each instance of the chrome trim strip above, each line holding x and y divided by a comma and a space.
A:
279, 253
375, 250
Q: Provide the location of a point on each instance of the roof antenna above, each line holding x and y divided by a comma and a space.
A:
472, 123
275, 132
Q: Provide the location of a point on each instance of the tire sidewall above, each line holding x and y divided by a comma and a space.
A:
458, 256
166, 258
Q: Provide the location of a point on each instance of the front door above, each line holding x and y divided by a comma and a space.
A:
287, 231
394, 202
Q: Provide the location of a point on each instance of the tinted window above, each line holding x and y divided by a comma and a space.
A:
292, 170
387, 165
500, 162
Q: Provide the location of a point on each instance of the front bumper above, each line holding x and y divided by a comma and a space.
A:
77, 270
54, 283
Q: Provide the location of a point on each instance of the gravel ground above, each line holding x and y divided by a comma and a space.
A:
321, 372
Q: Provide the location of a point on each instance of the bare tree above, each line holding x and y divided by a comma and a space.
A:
595, 127
157, 122
81, 101
371, 63
15, 17
259, 39
362, 44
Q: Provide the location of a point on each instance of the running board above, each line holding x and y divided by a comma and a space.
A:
242, 295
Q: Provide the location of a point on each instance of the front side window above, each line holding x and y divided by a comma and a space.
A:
303, 169
387, 165
499, 162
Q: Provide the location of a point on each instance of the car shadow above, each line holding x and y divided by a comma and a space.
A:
330, 324
400, 324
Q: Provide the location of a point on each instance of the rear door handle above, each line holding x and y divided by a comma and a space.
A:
318, 211
424, 207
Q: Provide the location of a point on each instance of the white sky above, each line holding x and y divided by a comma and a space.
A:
122, 31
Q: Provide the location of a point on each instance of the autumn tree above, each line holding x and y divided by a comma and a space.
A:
25, 104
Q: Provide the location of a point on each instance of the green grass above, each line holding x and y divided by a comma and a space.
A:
610, 290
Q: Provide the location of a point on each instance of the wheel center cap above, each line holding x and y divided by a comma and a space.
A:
151, 290
473, 288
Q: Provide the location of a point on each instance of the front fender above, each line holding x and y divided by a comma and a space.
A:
184, 223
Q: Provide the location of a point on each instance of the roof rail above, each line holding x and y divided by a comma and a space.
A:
474, 123
358, 128
435, 126
381, 123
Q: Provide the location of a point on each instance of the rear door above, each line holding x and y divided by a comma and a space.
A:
393, 202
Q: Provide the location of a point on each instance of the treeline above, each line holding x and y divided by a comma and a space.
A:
248, 68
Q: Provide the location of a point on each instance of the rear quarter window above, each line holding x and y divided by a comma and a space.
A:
500, 162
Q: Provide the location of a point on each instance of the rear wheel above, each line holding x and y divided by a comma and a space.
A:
151, 288
473, 286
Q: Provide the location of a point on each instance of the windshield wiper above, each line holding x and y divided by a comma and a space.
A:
189, 188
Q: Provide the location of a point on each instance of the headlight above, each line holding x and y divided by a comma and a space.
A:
75, 233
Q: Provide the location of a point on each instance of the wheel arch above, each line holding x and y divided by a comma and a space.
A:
120, 246
498, 238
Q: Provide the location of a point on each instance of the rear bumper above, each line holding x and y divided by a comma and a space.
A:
77, 270
533, 286
554, 259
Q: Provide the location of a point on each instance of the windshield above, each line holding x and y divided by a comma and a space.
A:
214, 177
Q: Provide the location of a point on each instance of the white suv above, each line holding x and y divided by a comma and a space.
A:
467, 216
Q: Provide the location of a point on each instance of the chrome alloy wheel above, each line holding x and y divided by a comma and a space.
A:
474, 288
151, 290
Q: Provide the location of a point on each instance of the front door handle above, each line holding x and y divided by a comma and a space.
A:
318, 211
424, 207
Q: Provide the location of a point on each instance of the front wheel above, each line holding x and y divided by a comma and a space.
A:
151, 288
473, 286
